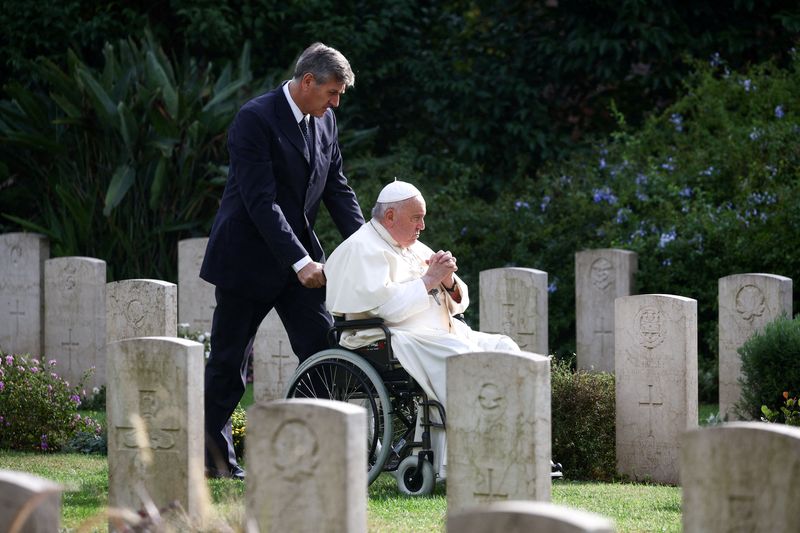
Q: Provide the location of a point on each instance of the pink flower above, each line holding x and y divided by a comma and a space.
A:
2, 386
9, 360
52, 362
34, 369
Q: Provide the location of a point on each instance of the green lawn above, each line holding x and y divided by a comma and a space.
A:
634, 507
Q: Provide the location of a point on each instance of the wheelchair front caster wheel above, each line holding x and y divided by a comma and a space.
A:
410, 481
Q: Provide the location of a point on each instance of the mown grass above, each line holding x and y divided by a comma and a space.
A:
633, 507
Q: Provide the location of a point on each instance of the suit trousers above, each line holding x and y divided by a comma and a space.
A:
233, 330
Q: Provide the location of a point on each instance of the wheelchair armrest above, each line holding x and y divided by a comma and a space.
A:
361, 323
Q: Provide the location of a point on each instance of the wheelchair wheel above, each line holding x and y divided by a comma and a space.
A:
411, 482
340, 375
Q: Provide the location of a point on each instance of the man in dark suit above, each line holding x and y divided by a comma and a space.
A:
262, 251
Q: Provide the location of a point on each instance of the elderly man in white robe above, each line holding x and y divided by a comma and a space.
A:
382, 270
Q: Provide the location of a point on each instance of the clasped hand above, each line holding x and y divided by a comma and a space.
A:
441, 266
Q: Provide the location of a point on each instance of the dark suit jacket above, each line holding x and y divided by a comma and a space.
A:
266, 218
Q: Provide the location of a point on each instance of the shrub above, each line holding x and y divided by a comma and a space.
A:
770, 367
96, 401
788, 414
204, 337
583, 418
239, 429
38, 409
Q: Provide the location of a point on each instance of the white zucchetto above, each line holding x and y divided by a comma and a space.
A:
397, 191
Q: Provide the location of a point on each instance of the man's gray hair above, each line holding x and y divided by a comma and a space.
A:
324, 63
380, 208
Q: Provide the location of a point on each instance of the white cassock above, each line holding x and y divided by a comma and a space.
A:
370, 275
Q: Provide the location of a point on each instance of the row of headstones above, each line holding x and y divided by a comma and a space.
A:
513, 301
307, 458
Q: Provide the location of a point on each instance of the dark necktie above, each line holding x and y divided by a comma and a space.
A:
307, 137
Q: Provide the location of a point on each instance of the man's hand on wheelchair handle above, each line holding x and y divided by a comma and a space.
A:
312, 276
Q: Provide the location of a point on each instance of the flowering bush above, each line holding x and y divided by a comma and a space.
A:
185, 332
790, 411
239, 430
38, 409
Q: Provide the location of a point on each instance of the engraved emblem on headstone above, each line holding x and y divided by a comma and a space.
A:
68, 273
750, 302
135, 313
651, 404
513, 324
295, 450
602, 274
159, 434
649, 327
16, 254
740, 513
491, 398
491, 492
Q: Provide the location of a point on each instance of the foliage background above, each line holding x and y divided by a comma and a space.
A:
535, 129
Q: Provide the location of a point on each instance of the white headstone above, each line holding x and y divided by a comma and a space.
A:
514, 303
527, 516
747, 303
741, 476
307, 467
75, 317
498, 428
155, 424
22, 257
29, 504
196, 301
656, 383
601, 276
141, 308
274, 362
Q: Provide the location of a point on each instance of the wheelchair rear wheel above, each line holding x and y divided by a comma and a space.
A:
337, 374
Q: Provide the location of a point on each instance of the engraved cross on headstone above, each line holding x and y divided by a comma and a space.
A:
17, 314
490, 492
69, 344
650, 403
280, 356
606, 334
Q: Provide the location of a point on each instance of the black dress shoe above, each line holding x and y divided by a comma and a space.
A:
237, 472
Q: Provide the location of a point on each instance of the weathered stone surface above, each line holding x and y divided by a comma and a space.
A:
747, 303
601, 276
141, 308
22, 257
274, 362
307, 467
514, 302
196, 301
155, 424
527, 516
741, 477
498, 428
75, 317
656, 383
29, 503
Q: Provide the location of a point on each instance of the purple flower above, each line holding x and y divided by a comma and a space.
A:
602, 163
52, 362
34, 369
686, 192
667, 262
666, 238
520, 204
668, 165
75, 398
642, 197
44, 442
779, 111
708, 172
2, 386
677, 121
463, 231
545, 203
755, 134
622, 216
9, 360
603, 195
641, 179
552, 287
748, 85
715, 60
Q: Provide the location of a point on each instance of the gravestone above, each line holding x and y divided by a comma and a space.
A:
274, 362
656, 383
498, 428
306, 467
514, 303
22, 257
741, 476
141, 308
526, 516
155, 425
601, 276
747, 303
196, 301
75, 317
29, 503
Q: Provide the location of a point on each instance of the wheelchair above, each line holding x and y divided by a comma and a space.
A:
373, 378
